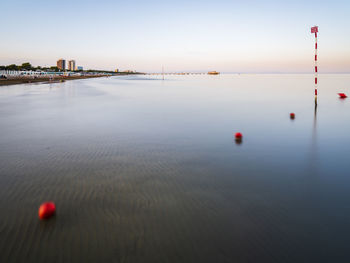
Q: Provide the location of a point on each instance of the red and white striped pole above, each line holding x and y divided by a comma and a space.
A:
314, 29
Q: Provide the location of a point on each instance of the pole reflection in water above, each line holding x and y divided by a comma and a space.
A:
313, 150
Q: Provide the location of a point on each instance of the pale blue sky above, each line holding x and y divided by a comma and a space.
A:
228, 36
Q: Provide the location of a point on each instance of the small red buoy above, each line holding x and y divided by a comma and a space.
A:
292, 116
46, 210
342, 95
238, 136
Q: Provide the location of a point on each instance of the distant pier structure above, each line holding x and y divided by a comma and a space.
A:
183, 73
176, 73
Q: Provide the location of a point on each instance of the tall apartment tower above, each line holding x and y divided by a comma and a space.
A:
71, 65
61, 64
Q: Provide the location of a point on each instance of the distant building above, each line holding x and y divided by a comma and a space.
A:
61, 64
213, 73
80, 68
71, 65
116, 70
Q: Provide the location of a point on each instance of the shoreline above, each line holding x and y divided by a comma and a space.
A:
31, 79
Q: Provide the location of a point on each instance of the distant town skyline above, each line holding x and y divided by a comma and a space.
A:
227, 36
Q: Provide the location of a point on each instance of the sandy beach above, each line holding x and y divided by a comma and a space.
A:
38, 79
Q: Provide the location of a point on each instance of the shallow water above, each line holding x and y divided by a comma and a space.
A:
146, 170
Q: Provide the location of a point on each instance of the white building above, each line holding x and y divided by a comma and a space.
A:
71, 65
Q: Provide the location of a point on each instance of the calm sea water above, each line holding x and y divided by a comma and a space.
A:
146, 170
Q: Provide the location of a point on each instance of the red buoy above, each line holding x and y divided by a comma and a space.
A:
238, 136
342, 95
292, 116
46, 210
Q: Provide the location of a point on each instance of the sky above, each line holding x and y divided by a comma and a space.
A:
197, 36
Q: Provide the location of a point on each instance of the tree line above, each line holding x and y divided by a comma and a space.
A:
28, 66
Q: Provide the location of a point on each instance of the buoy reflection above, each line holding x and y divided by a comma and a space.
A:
238, 141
